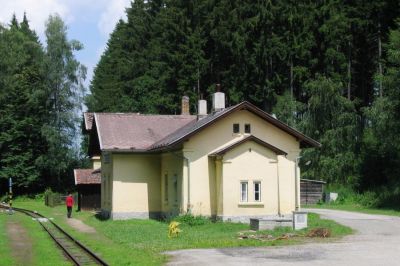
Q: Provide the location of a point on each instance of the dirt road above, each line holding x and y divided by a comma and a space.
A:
376, 242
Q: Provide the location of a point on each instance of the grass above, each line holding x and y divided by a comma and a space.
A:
5, 250
142, 242
355, 208
44, 250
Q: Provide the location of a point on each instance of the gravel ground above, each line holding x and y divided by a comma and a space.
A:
376, 242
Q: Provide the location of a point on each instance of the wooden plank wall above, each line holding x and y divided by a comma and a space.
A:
89, 197
311, 191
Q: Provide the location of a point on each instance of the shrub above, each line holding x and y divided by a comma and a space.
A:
191, 220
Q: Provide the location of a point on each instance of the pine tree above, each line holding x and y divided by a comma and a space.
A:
22, 99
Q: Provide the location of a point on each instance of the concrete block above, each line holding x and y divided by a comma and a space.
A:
269, 224
300, 220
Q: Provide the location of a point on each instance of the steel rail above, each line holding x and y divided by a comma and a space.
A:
87, 251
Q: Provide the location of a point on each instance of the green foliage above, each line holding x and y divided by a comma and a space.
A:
332, 120
313, 64
40, 94
191, 220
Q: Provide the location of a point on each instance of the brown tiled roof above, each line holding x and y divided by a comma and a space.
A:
185, 132
88, 117
249, 138
87, 176
133, 132
136, 132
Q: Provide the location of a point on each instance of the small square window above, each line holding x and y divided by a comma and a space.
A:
247, 128
236, 128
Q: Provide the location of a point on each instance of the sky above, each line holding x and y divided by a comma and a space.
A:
88, 21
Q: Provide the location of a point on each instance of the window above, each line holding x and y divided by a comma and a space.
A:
166, 187
257, 191
243, 191
236, 128
247, 129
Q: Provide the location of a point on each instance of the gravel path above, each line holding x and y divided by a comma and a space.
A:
20, 243
376, 242
80, 226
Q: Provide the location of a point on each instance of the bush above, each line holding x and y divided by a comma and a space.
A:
52, 198
191, 220
381, 197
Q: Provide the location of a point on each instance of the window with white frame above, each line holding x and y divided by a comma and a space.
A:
257, 191
243, 191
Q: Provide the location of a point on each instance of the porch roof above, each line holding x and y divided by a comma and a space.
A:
87, 176
249, 138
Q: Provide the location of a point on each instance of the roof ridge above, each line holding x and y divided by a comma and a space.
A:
140, 114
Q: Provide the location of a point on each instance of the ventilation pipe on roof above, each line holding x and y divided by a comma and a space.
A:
185, 106
218, 99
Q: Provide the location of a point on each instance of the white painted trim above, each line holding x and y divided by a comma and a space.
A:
75, 176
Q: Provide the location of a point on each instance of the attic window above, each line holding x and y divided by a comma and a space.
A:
247, 128
236, 128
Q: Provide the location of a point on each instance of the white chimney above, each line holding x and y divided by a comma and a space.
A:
218, 101
202, 108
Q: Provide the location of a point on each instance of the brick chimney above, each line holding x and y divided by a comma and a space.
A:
185, 106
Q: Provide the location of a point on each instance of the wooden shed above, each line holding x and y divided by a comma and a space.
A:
88, 182
311, 191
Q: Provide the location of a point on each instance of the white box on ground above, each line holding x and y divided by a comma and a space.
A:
299, 220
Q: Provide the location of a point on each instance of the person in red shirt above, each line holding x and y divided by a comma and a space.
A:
69, 201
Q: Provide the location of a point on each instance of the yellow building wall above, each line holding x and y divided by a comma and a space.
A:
136, 186
171, 172
96, 162
203, 189
106, 184
250, 162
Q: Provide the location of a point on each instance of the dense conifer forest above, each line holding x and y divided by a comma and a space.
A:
330, 69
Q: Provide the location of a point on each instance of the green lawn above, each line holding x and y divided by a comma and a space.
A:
142, 242
44, 250
5, 251
355, 208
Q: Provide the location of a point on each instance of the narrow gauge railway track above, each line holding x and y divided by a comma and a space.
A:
75, 251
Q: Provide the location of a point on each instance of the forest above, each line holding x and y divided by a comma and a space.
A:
330, 69
41, 92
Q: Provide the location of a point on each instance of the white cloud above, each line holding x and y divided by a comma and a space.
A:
114, 11
37, 12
